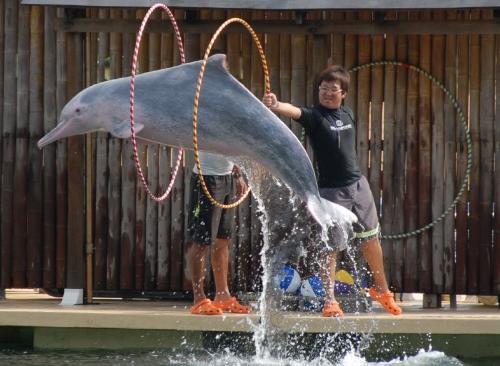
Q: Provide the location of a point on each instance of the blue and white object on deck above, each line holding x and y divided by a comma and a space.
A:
312, 287
288, 279
313, 292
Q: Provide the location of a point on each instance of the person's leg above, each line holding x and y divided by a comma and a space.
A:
220, 252
199, 233
366, 212
220, 264
328, 262
372, 252
196, 260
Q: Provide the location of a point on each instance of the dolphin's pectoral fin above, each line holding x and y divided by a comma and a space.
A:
122, 130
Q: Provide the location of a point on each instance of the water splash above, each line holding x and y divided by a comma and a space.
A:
287, 229
203, 358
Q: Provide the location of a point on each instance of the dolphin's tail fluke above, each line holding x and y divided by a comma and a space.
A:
329, 214
326, 212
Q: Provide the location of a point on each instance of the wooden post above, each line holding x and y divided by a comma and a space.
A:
177, 204
8, 138
257, 88
363, 98
204, 15
437, 156
388, 214
285, 71
424, 163
298, 77
473, 258
164, 220
338, 42
128, 179
411, 274
376, 124
272, 51
233, 54
165, 156
450, 161
141, 195
21, 155
2, 62
317, 60
114, 167
193, 52
461, 209
35, 187
76, 167
61, 163
89, 248
90, 79
496, 247
350, 60
101, 172
245, 243
49, 152
240, 249
152, 177
486, 138
398, 260
317, 49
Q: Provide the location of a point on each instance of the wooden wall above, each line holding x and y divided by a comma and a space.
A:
410, 145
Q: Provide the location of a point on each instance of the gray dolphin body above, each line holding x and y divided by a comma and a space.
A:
232, 122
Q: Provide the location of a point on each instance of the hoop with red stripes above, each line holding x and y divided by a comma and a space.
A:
132, 100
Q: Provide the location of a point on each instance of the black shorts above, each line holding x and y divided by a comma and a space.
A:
207, 222
358, 198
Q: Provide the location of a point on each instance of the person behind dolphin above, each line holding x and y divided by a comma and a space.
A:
210, 227
331, 129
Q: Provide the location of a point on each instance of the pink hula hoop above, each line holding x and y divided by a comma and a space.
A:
132, 100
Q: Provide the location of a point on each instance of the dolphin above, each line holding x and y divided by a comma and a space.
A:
231, 122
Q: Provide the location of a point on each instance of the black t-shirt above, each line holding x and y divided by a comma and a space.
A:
333, 138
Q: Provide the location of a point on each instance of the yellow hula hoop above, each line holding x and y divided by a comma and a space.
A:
197, 98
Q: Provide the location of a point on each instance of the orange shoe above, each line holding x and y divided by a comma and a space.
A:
232, 306
332, 308
205, 307
386, 300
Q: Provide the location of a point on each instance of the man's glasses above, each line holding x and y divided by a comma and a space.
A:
329, 90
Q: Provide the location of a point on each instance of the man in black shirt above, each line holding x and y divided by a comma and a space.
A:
331, 130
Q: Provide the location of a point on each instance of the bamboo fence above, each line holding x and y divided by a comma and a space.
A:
410, 145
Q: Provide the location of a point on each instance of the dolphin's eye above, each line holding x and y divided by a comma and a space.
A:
78, 110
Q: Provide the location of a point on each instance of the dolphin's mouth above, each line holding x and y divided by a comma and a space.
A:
57, 133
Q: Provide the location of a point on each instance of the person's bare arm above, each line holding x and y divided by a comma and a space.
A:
241, 185
285, 109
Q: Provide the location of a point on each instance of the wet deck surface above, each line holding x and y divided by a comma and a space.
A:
25, 308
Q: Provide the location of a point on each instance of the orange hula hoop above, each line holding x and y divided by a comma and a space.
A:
197, 99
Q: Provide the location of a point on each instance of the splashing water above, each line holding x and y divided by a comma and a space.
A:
287, 227
200, 358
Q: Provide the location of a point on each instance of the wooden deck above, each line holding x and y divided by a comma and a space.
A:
28, 309
38, 321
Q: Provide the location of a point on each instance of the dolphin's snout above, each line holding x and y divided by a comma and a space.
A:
57, 133
43, 142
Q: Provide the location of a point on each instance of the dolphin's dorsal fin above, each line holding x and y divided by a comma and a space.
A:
218, 60
122, 130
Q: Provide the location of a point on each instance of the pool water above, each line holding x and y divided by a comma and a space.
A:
25, 357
